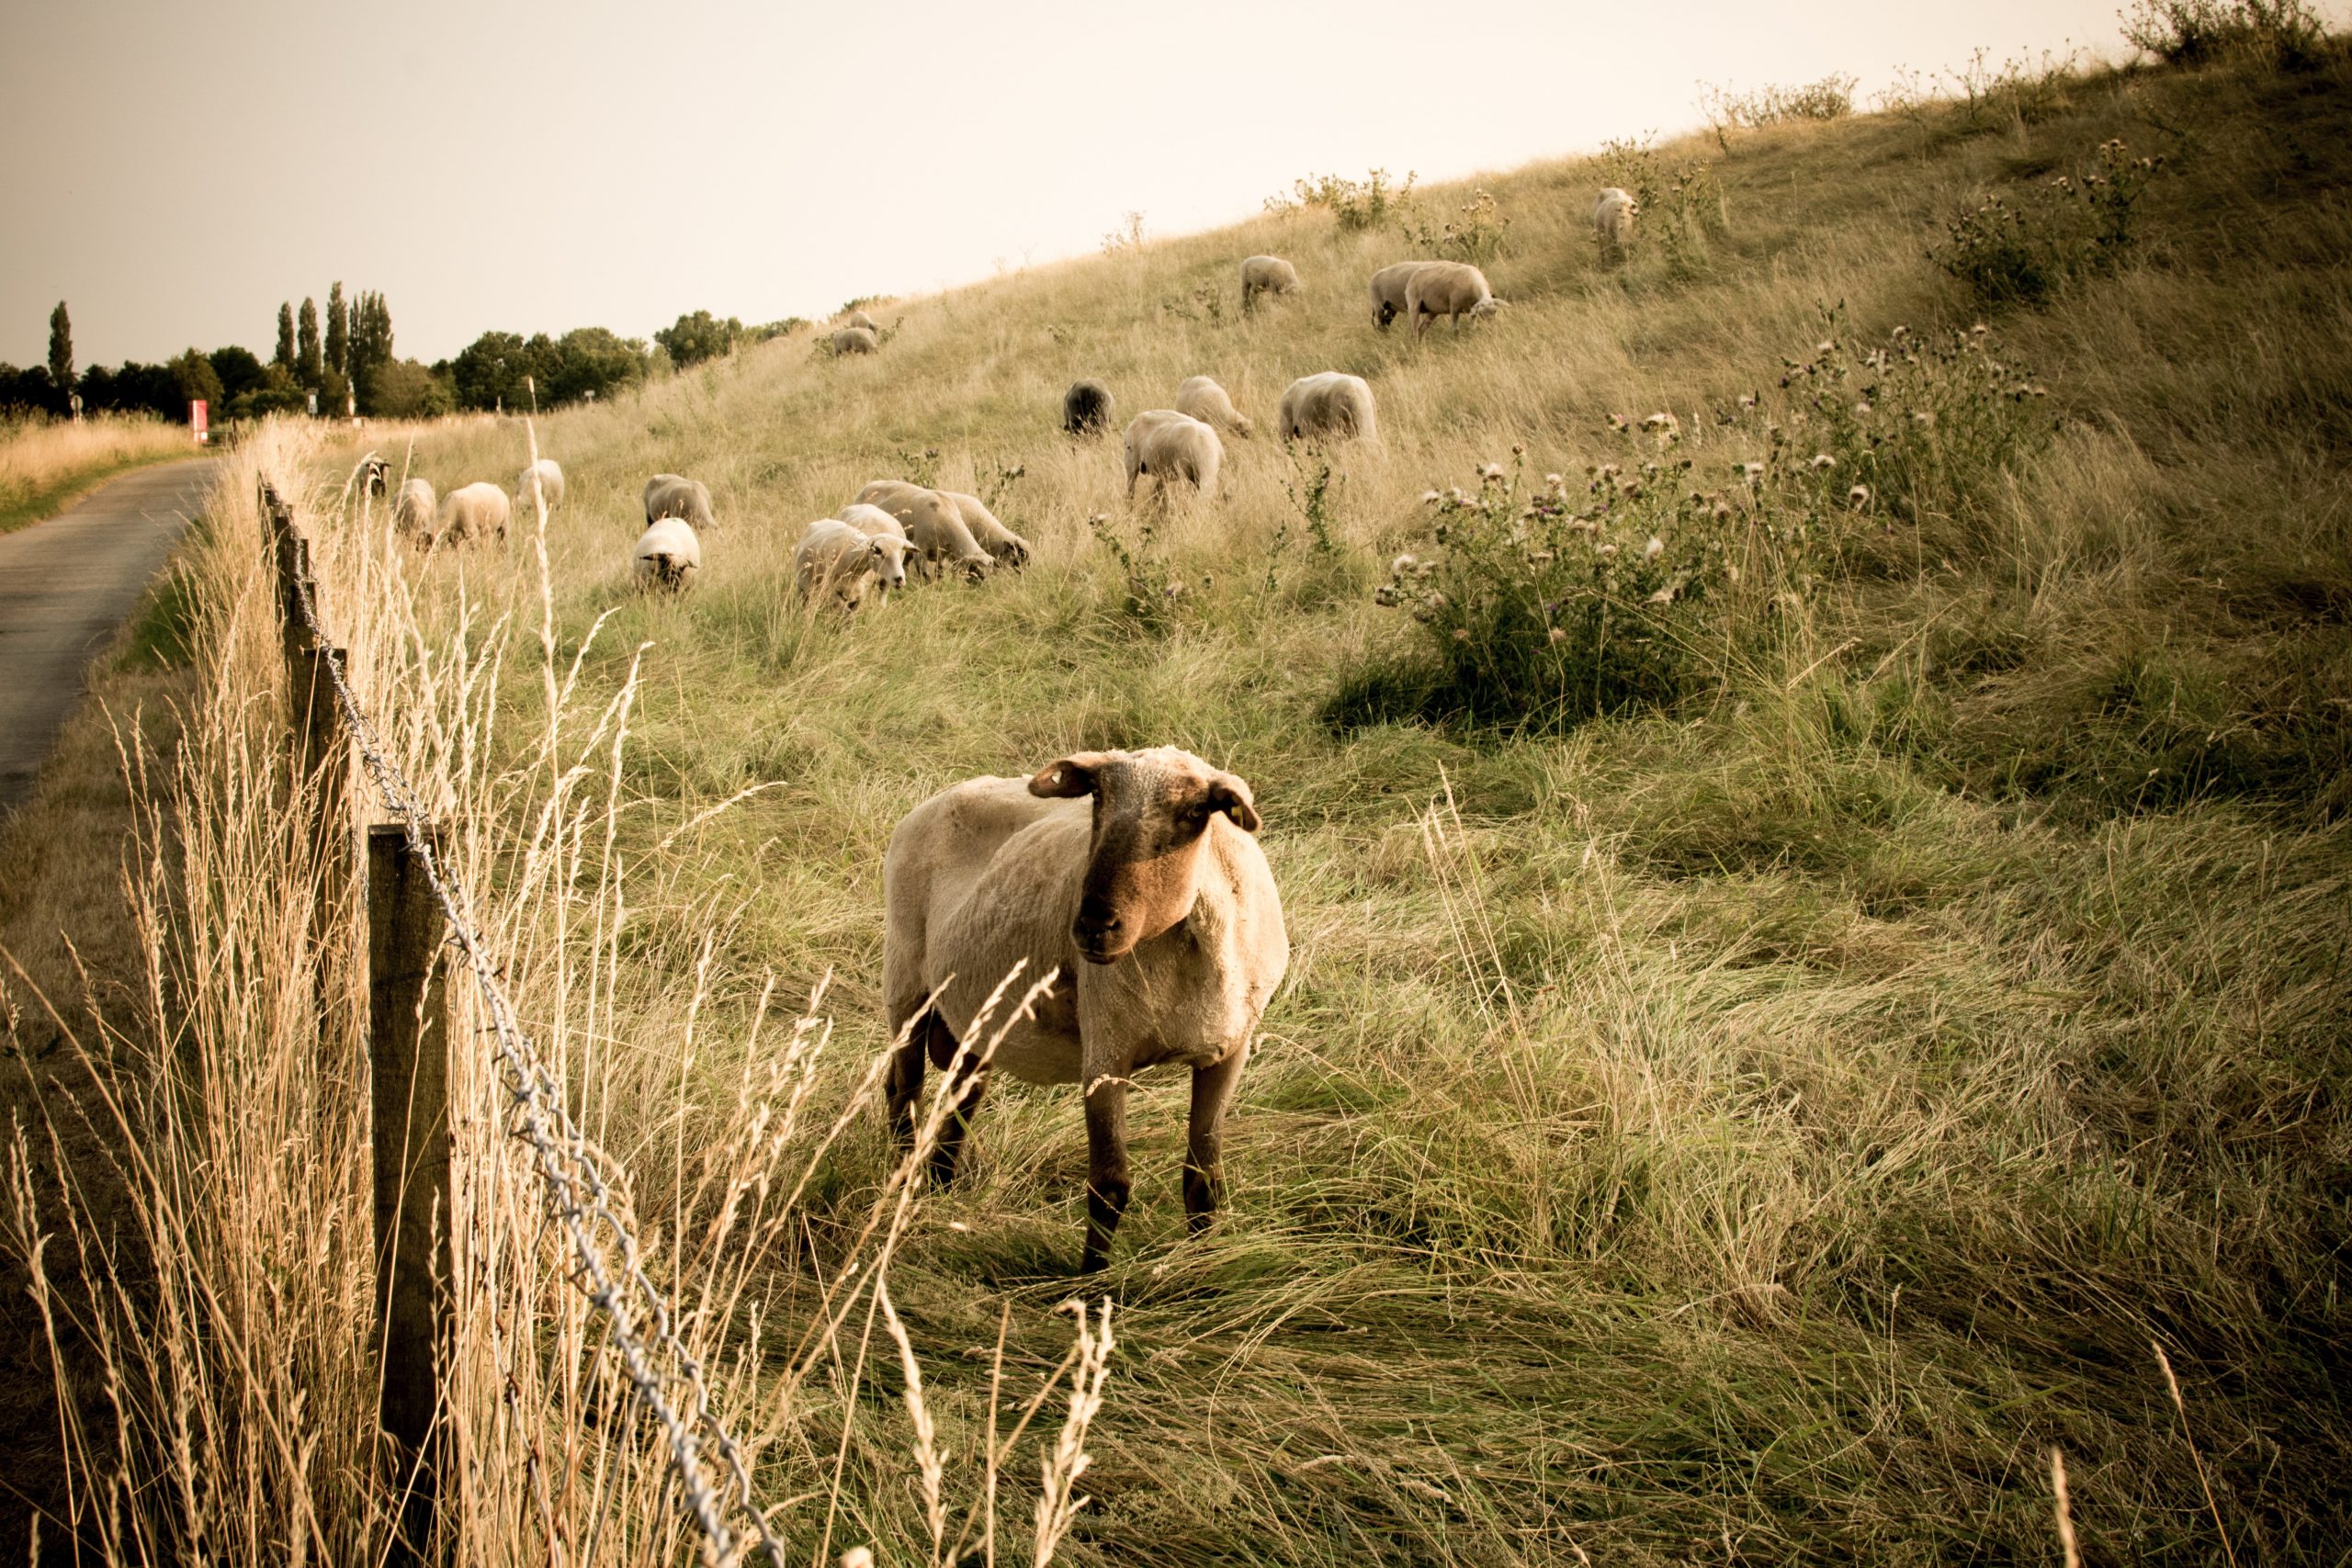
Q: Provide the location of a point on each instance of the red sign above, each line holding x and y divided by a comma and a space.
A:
196, 412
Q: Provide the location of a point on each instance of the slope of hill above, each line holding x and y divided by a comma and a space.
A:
1761, 1120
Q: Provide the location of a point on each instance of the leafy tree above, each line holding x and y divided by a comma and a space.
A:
489, 371
276, 394
403, 388
61, 347
692, 339
198, 379
238, 369
26, 388
133, 388
593, 360
308, 363
284, 358
371, 334
338, 331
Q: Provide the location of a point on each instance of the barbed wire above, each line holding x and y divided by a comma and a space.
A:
576, 1189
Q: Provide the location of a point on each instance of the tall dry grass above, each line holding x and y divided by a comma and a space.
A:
44, 462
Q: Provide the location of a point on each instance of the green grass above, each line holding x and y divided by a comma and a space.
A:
1760, 1127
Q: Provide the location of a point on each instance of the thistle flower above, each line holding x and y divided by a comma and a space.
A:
1453, 494
1402, 565
1663, 596
1723, 512
1925, 419
1662, 421
1825, 347
1384, 595
1863, 409
1430, 497
1554, 481
1752, 472
1556, 636
1490, 470
1747, 400
1604, 550
1823, 460
1652, 550
1439, 601
1517, 449
1858, 497
1461, 634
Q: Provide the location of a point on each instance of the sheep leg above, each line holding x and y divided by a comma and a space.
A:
1204, 1139
904, 1087
965, 1090
1106, 1167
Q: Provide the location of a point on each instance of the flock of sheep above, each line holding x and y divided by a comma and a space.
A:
1130, 883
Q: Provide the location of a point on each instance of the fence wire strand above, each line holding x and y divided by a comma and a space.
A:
640, 1324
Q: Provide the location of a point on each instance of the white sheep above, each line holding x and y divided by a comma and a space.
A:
855, 340
1388, 291
472, 512
1170, 445
934, 526
1452, 289
1330, 406
1205, 400
860, 319
1003, 546
1613, 220
668, 554
872, 520
836, 564
550, 477
1266, 275
673, 495
1150, 907
415, 507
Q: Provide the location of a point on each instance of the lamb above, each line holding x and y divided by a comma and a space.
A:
1150, 909
836, 563
934, 526
1086, 408
1205, 400
1005, 547
668, 554
1266, 275
1613, 220
472, 512
549, 474
673, 495
1452, 289
1332, 405
414, 508
1167, 444
1388, 291
856, 340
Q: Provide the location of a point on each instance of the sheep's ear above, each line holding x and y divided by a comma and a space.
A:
1069, 778
1231, 796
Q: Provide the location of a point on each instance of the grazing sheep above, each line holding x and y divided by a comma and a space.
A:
856, 340
934, 526
1452, 289
860, 319
550, 477
1613, 220
668, 554
1150, 907
1086, 408
1334, 405
472, 512
1167, 444
673, 495
1005, 547
871, 520
414, 508
836, 563
376, 474
1266, 275
1205, 400
1388, 291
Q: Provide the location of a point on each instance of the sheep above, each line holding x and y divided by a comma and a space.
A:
856, 340
1005, 547
673, 495
860, 319
549, 474
415, 507
934, 526
1613, 220
376, 474
1150, 909
836, 563
1332, 405
1167, 444
668, 554
871, 520
1205, 400
1452, 289
472, 512
1266, 275
1388, 291
1086, 408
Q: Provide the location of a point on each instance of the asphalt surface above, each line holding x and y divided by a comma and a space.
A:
65, 585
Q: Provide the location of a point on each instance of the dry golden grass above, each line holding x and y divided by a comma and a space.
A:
45, 463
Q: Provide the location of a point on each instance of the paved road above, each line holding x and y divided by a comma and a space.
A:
65, 585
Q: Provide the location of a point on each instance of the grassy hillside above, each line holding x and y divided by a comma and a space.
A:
1760, 1119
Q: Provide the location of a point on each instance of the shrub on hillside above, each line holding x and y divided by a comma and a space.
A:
1681, 207
2282, 33
1355, 205
2063, 228
1474, 235
1832, 98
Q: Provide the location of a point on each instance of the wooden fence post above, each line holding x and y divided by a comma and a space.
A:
408, 1043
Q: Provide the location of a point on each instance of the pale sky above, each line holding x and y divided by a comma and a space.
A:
174, 170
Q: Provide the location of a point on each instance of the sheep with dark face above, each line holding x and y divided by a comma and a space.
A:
1388, 291
1086, 408
1133, 880
668, 555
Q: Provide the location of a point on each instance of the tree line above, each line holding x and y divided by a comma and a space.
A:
347, 363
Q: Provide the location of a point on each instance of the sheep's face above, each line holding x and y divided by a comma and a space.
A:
889, 563
1151, 814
